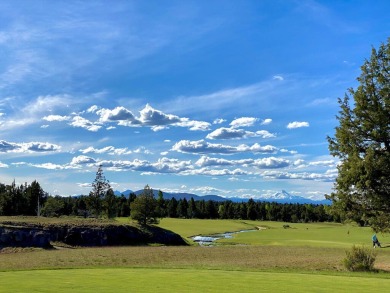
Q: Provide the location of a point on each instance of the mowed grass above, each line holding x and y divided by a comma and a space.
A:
192, 227
274, 233
188, 280
302, 258
313, 234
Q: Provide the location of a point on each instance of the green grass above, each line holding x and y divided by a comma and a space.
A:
314, 234
192, 227
302, 258
183, 280
273, 233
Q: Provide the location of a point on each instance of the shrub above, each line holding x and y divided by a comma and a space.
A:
360, 258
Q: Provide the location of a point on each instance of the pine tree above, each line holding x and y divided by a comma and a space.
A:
100, 186
362, 143
144, 208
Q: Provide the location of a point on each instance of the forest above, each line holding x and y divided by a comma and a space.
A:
32, 200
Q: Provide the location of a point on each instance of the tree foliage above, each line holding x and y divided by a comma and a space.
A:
144, 208
362, 143
100, 187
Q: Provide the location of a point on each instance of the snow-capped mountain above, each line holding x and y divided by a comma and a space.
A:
285, 197
279, 197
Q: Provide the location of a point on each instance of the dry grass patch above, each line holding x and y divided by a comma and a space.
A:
231, 258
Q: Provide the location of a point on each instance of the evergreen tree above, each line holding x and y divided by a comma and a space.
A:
362, 143
144, 208
172, 208
100, 186
251, 213
110, 204
192, 209
36, 198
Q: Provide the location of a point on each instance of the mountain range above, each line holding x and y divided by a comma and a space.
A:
279, 197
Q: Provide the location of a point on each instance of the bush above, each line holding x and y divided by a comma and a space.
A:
360, 258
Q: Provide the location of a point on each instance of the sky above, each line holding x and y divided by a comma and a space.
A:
231, 98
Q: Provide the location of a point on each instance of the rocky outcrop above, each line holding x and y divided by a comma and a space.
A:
23, 237
34, 235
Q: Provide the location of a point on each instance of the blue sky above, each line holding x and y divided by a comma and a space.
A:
234, 98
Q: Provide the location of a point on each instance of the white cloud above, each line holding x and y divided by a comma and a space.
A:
327, 177
2, 165
234, 133
327, 163
28, 147
49, 166
151, 116
297, 124
205, 161
194, 125
264, 163
81, 160
111, 150
264, 134
271, 163
226, 133
51, 118
93, 109
203, 147
243, 122
155, 119
79, 121
278, 77
219, 121
216, 172
266, 121
117, 114
159, 128
48, 103
85, 185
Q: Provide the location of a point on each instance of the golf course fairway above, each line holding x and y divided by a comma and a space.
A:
184, 280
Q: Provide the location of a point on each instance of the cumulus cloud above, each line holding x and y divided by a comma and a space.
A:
205, 161
148, 116
271, 163
151, 116
117, 114
243, 122
28, 147
226, 133
203, 147
193, 124
234, 133
79, 121
297, 124
93, 109
82, 160
163, 165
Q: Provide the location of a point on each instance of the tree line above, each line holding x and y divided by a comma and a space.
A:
146, 208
